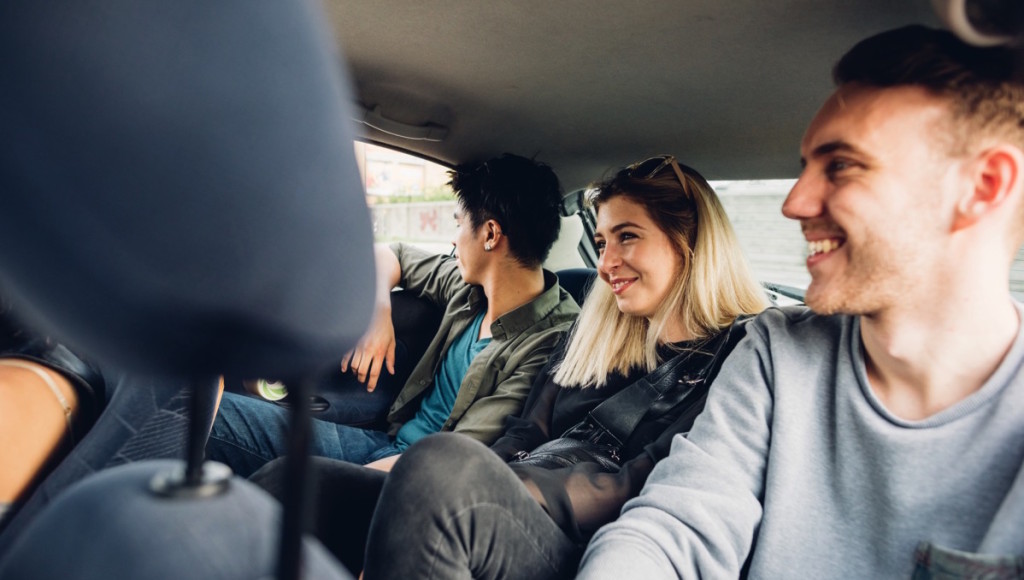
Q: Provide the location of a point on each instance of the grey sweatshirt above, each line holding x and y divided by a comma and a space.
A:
796, 460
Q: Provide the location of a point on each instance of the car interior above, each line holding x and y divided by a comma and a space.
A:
726, 87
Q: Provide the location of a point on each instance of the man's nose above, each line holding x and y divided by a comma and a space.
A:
805, 199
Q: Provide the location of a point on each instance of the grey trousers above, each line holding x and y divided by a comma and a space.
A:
452, 509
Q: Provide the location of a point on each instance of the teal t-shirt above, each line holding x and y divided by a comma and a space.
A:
437, 405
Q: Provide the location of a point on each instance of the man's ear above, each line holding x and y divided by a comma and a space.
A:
997, 176
492, 233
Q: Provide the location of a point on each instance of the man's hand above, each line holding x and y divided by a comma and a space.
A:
375, 349
384, 464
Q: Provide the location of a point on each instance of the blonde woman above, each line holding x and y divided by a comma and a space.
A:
672, 284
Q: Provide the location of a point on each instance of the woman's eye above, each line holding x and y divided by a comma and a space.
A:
599, 244
626, 236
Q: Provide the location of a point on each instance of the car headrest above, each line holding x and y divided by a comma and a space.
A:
180, 189
577, 282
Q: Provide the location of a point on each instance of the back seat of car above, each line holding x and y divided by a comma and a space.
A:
416, 320
577, 282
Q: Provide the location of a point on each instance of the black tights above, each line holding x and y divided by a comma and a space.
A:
450, 509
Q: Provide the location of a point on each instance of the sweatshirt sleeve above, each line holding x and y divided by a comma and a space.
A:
701, 506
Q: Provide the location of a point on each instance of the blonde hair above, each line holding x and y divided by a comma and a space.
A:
714, 286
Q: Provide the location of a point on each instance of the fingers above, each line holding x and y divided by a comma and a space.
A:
372, 354
367, 368
371, 382
345, 360
391, 357
362, 368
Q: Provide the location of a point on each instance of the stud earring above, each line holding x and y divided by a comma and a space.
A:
487, 247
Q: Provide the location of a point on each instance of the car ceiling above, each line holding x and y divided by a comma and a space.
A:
728, 86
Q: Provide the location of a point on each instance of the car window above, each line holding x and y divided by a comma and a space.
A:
774, 245
409, 198
771, 242
411, 202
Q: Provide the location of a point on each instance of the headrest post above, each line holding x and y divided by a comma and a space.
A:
297, 481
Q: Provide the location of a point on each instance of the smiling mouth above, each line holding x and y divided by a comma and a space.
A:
618, 286
822, 247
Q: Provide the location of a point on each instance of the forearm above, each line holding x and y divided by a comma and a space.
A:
389, 274
37, 405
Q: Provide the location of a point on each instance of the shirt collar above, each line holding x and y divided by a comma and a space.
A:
522, 318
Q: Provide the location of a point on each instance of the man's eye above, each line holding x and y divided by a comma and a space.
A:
837, 165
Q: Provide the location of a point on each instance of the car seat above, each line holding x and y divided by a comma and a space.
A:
181, 202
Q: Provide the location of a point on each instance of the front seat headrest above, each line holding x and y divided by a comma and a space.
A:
180, 193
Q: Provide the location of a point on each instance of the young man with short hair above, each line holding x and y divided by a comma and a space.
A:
503, 316
881, 434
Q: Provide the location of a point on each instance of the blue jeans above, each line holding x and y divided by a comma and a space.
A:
249, 432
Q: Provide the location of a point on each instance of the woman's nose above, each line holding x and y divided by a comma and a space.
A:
609, 259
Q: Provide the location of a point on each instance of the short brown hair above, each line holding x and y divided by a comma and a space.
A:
985, 86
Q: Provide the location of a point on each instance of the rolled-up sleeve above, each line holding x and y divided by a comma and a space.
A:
435, 277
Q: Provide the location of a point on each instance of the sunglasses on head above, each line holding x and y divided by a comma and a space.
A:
648, 168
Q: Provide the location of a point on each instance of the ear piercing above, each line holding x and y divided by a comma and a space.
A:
487, 247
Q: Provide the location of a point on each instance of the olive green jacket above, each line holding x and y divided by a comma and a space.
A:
499, 378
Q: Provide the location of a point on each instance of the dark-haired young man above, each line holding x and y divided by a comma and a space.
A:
881, 434
503, 316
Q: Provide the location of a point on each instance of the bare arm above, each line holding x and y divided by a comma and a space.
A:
36, 408
377, 347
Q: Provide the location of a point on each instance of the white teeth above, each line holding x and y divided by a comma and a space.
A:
823, 246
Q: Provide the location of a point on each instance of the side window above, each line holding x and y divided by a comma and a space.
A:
408, 196
1017, 275
772, 243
